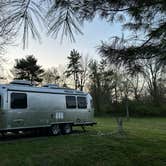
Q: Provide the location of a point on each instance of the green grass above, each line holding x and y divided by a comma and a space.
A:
144, 144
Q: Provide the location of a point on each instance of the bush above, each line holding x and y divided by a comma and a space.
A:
140, 109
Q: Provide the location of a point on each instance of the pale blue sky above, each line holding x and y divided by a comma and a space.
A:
51, 52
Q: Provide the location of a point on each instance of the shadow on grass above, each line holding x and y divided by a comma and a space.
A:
9, 136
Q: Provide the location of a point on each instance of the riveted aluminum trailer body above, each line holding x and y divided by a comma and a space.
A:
26, 107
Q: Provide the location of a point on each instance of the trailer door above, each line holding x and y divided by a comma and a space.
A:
71, 108
82, 111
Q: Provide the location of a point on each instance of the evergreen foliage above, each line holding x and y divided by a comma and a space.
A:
27, 68
145, 18
74, 67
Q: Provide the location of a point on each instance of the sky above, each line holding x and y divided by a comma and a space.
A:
52, 52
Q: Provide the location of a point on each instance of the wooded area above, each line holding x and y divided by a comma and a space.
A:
130, 79
127, 81
114, 89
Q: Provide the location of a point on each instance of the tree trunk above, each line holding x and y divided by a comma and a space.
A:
127, 110
116, 95
155, 93
120, 125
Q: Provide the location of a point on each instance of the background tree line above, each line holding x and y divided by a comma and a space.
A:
117, 91
114, 89
132, 70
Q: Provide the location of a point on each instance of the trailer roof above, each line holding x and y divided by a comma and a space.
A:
35, 89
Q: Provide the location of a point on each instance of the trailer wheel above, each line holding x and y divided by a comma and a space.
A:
55, 129
67, 129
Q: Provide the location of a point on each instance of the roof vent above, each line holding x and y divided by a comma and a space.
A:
22, 82
52, 86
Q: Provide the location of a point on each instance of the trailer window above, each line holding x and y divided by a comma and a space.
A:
70, 102
18, 100
81, 101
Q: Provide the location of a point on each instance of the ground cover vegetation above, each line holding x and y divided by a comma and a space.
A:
144, 143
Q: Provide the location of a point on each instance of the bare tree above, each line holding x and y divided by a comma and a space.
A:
153, 73
51, 75
62, 77
126, 90
5, 74
83, 75
137, 83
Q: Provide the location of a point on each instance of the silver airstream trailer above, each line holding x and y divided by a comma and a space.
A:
24, 107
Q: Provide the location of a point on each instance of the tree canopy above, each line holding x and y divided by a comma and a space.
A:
27, 68
145, 18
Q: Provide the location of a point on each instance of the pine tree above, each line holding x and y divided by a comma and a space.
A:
27, 68
74, 67
145, 17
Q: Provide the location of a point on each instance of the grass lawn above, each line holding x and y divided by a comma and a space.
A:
144, 144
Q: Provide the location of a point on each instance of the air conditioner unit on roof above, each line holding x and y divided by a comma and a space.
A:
51, 86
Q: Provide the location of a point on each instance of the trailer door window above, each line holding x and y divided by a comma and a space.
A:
18, 100
70, 102
82, 103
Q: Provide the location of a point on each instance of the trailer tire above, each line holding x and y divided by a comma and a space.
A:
55, 129
67, 128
